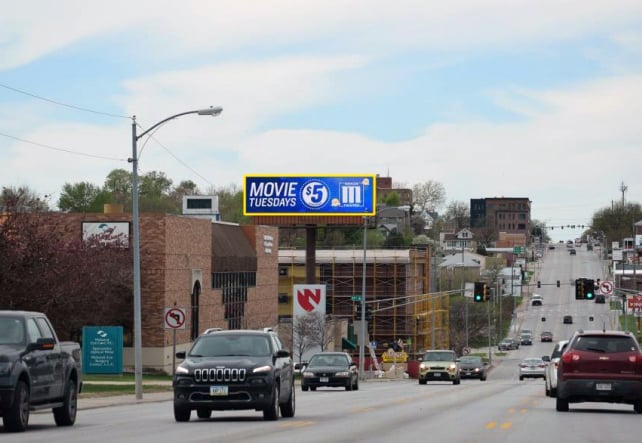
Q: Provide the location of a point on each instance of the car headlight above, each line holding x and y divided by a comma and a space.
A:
423, 366
182, 370
342, 374
266, 368
452, 367
307, 374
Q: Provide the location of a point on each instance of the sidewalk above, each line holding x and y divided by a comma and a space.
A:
119, 400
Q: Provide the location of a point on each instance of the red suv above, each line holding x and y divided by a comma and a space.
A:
600, 366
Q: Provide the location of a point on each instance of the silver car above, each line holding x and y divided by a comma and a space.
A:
532, 367
551, 368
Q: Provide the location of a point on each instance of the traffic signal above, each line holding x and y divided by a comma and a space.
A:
478, 295
357, 311
589, 288
579, 289
482, 292
539, 284
558, 283
368, 312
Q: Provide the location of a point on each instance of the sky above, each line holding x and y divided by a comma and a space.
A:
490, 98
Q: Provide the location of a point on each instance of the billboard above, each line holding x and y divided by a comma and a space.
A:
309, 195
106, 233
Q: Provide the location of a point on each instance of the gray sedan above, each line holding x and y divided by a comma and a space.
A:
533, 367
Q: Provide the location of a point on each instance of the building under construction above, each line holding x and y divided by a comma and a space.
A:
397, 294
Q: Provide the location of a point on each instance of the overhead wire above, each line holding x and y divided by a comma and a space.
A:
93, 111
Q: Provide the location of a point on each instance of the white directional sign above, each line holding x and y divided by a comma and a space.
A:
174, 318
606, 287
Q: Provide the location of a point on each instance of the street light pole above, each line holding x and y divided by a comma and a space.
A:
138, 341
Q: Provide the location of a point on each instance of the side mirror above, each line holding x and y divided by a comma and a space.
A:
546, 358
180, 354
420, 359
41, 344
282, 353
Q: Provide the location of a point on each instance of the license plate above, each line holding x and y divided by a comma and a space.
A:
437, 374
324, 379
603, 386
467, 373
218, 391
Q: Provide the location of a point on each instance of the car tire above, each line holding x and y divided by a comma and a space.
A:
349, 386
304, 388
181, 413
456, 381
313, 388
288, 408
483, 378
203, 413
422, 381
553, 392
356, 385
16, 418
561, 404
65, 415
271, 413
637, 406
521, 378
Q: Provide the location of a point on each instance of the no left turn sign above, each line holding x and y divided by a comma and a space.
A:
606, 287
174, 318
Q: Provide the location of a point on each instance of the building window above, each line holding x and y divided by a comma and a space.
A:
234, 287
283, 298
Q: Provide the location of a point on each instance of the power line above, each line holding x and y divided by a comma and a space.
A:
69, 151
66, 105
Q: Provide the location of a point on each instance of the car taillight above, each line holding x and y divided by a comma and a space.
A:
522, 366
635, 358
542, 366
570, 356
557, 364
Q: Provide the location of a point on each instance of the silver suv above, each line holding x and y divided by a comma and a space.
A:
550, 376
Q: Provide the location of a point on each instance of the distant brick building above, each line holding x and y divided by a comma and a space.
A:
490, 216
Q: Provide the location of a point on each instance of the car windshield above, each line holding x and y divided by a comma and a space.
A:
439, 356
218, 345
532, 361
547, 333
11, 331
326, 360
471, 360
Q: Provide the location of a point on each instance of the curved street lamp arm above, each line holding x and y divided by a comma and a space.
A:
209, 111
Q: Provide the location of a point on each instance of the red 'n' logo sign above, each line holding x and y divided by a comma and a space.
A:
306, 297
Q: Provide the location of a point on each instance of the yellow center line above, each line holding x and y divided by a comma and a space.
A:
523, 410
491, 425
506, 425
296, 424
511, 410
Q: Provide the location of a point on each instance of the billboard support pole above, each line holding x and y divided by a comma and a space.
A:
362, 334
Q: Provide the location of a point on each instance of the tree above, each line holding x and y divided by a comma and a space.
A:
230, 203
616, 223
21, 199
74, 283
392, 200
82, 197
428, 196
304, 335
459, 213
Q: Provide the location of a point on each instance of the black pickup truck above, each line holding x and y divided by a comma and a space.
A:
36, 371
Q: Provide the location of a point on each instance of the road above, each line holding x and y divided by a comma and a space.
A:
502, 409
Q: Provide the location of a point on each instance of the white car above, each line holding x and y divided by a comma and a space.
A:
551, 370
537, 300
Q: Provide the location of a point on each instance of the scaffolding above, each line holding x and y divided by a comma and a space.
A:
396, 292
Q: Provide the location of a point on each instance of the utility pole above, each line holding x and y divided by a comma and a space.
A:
623, 189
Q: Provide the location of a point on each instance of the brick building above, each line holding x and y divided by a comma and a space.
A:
490, 216
224, 275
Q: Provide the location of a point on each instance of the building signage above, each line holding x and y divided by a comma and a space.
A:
309, 195
308, 299
634, 302
106, 233
102, 349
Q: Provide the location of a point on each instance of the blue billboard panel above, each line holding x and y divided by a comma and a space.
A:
102, 349
309, 195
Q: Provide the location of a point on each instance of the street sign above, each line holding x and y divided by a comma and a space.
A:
518, 250
174, 318
606, 287
634, 302
356, 298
